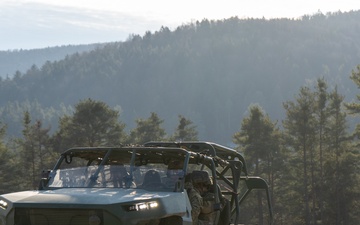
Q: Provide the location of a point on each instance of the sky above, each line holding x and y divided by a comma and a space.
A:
32, 24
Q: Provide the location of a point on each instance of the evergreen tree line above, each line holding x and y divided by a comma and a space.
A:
310, 160
311, 164
93, 123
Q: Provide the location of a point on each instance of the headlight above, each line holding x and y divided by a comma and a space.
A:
142, 206
3, 204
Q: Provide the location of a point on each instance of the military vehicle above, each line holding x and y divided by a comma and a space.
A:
134, 185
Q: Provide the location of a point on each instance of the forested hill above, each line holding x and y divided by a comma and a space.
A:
21, 60
207, 71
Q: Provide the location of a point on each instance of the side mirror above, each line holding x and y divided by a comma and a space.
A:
44, 179
43, 183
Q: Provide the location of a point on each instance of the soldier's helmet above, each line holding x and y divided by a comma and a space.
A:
200, 177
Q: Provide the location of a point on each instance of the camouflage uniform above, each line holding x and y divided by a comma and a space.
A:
196, 202
202, 206
207, 214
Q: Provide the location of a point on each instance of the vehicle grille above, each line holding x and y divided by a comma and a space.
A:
55, 216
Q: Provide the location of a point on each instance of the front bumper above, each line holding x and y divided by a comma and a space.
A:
139, 209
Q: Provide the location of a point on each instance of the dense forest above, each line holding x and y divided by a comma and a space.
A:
21, 60
281, 91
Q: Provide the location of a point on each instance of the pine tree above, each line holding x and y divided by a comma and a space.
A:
354, 107
300, 126
185, 131
340, 166
6, 166
259, 141
93, 124
148, 130
35, 153
28, 152
321, 99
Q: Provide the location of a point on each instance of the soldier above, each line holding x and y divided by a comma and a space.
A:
207, 214
174, 173
202, 201
195, 198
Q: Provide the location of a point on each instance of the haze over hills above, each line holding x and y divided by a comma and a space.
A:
22, 60
208, 71
34, 24
43, 25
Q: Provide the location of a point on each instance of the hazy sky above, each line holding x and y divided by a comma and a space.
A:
27, 24
185, 10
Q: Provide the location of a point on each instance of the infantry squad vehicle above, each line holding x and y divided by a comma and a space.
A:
133, 185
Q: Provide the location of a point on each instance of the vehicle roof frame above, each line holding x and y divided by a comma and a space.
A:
228, 159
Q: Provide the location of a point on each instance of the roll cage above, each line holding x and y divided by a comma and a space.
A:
229, 169
225, 165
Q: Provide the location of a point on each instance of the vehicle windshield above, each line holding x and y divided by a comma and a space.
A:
158, 170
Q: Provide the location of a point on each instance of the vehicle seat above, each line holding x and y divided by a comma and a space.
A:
151, 176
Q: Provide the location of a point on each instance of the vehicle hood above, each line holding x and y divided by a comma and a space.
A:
94, 196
